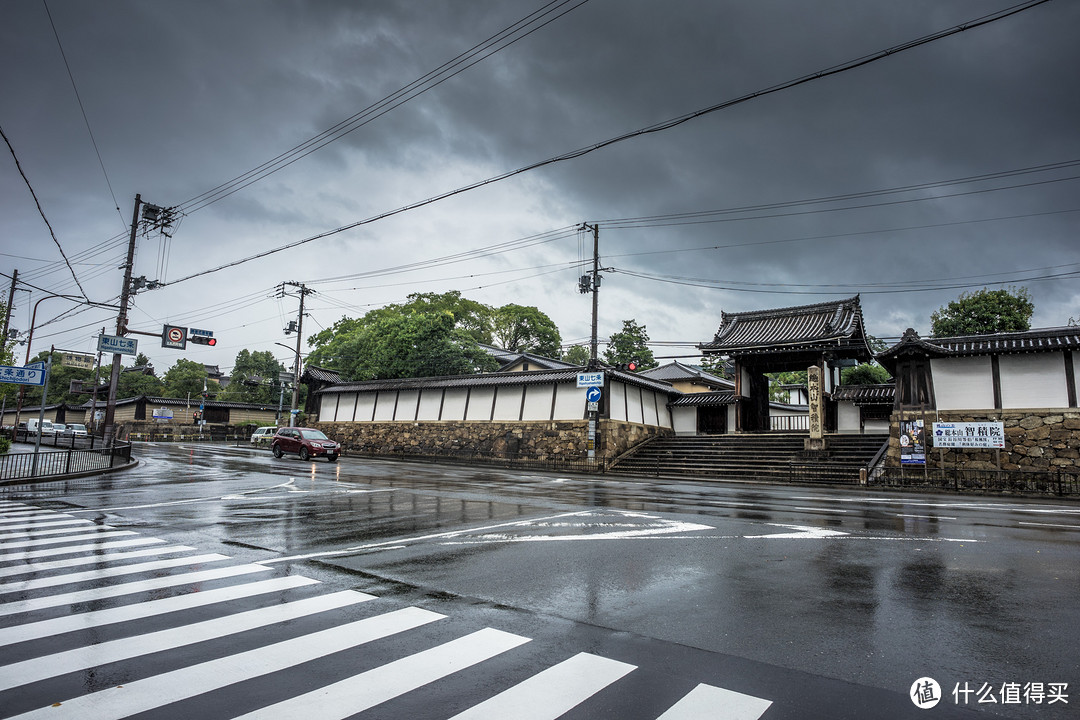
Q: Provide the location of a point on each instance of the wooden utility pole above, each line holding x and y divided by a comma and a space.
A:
7, 315
593, 285
121, 327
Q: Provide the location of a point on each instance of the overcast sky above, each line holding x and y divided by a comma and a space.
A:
182, 97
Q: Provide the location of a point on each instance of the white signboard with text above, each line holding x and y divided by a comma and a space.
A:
969, 435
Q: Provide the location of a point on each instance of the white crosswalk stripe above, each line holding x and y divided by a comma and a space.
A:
43, 524
149, 615
37, 542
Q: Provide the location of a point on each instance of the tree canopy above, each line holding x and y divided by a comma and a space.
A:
430, 334
984, 311
254, 378
577, 354
526, 329
186, 378
629, 344
864, 374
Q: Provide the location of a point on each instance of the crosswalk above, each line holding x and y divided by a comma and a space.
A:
94, 626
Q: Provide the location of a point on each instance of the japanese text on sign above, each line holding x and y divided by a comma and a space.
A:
22, 376
969, 435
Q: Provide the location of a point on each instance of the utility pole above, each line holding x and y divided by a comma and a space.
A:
10, 299
121, 327
298, 326
591, 283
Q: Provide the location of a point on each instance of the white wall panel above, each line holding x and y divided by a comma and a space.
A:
1033, 381
454, 404
346, 407
384, 406
617, 401
538, 402
508, 403
848, 417
406, 405
327, 405
684, 420
430, 402
965, 383
633, 404
480, 403
569, 402
648, 408
365, 406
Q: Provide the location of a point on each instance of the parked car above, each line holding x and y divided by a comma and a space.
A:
75, 430
308, 443
45, 428
59, 429
263, 435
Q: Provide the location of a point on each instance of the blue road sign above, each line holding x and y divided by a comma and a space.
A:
22, 376
593, 394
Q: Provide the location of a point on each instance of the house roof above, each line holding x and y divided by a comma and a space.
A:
1030, 341
882, 394
313, 372
836, 323
704, 399
530, 377
676, 371
507, 358
175, 402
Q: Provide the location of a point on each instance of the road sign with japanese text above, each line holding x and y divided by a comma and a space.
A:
21, 375
117, 345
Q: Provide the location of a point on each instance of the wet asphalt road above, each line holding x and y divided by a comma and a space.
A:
822, 602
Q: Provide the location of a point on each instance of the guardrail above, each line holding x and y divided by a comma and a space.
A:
20, 466
1021, 482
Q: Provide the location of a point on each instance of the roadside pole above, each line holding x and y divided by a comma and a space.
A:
41, 413
121, 328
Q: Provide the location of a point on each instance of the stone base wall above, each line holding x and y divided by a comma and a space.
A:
559, 438
1035, 439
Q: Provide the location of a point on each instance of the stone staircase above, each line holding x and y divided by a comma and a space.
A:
767, 456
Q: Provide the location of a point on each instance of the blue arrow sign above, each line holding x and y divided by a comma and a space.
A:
593, 394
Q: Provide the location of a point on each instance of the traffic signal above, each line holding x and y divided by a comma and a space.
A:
631, 366
202, 340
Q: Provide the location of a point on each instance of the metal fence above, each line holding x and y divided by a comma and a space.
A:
20, 466
1021, 482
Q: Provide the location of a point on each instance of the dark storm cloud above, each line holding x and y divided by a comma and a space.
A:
183, 96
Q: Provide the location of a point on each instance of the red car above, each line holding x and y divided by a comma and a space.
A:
308, 443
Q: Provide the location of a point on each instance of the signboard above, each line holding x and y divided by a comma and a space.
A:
592, 379
192, 332
969, 435
117, 345
912, 443
77, 360
815, 409
163, 414
174, 337
593, 394
21, 375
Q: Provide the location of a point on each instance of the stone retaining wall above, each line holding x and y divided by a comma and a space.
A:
1035, 439
558, 438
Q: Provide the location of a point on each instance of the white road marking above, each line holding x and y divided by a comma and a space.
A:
378, 685
926, 517
34, 532
706, 701
802, 532
552, 692
128, 588
153, 692
47, 666
50, 523
11, 518
125, 613
1071, 527
89, 560
102, 573
5, 545
90, 547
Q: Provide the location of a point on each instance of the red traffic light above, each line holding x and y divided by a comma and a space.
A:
631, 366
202, 340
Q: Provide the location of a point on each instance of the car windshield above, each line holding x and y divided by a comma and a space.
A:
78, 427
313, 435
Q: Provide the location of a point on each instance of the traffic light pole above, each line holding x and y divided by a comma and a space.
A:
121, 323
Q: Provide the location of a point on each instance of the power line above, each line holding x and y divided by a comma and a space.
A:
655, 128
82, 109
42, 212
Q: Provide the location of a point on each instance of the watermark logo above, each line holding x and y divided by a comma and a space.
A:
925, 693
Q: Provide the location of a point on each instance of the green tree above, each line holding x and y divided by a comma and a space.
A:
252, 377
864, 374
186, 378
475, 318
717, 365
630, 344
985, 311
60, 378
526, 329
577, 354
776, 380
134, 383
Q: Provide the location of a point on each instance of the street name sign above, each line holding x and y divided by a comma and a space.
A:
22, 376
117, 345
592, 379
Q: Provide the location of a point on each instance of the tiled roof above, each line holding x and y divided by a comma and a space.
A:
538, 361
193, 403
882, 394
313, 372
675, 371
1029, 341
706, 399
805, 325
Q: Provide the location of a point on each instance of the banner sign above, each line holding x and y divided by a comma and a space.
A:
163, 414
912, 443
22, 376
77, 360
592, 379
969, 435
